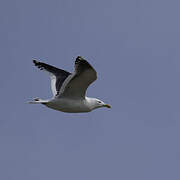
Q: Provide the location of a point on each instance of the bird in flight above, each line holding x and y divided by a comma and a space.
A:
69, 89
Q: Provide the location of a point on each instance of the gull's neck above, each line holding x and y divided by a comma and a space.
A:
90, 102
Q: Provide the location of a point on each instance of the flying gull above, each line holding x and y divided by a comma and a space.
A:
69, 89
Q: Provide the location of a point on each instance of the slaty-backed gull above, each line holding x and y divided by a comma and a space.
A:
69, 89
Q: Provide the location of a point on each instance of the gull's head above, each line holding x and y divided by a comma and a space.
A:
96, 103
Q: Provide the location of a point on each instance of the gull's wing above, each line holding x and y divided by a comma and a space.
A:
76, 84
57, 76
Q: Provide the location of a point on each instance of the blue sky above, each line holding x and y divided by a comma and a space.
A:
134, 46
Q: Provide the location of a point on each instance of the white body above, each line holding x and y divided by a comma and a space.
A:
69, 105
72, 105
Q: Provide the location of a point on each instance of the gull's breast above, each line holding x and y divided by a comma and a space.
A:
68, 105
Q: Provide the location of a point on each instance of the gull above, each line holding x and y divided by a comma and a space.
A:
69, 89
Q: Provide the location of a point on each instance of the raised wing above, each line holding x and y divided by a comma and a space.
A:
57, 76
76, 84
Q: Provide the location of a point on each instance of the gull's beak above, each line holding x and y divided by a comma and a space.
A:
107, 105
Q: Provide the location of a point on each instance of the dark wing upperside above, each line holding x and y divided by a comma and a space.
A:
76, 84
57, 75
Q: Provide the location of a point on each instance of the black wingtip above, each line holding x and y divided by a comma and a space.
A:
35, 62
38, 64
79, 58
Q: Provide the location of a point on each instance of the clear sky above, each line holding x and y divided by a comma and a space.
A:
135, 47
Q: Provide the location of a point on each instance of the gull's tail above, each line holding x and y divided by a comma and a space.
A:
38, 101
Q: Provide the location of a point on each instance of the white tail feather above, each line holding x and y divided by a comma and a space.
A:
38, 101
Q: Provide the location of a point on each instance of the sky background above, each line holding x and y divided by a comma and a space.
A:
135, 47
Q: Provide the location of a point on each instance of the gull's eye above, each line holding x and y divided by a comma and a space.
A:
99, 102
